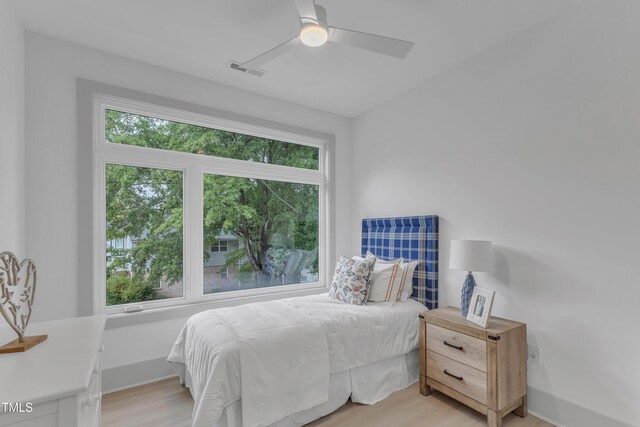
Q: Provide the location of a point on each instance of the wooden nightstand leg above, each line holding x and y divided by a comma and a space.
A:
494, 419
522, 410
425, 390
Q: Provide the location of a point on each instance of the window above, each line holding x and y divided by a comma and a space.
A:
282, 230
195, 208
221, 246
144, 131
117, 243
145, 204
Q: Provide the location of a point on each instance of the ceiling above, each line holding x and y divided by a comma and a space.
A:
199, 37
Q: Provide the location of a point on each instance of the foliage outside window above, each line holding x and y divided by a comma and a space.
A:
257, 232
142, 131
144, 205
276, 225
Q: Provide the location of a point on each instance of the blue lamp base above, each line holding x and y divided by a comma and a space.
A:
467, 292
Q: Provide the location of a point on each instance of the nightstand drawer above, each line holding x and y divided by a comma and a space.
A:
458, 376
460, 347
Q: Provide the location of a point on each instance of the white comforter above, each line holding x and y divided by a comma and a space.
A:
206, 353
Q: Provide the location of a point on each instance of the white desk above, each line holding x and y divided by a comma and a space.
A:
60, 377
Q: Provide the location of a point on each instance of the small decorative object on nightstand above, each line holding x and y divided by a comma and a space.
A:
480, 307
486, 369
470, 255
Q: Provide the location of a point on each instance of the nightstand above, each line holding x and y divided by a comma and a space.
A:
486, 369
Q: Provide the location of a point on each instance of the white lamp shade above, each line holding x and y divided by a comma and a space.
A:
471, 255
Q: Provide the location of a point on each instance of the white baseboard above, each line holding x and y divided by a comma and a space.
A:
128, 386
562, 413
541, 404
127, 376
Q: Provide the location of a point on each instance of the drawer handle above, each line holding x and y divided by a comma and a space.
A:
457, 347
453, 376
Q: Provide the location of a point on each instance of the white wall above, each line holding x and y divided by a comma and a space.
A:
535, 146
12, 146
52, 197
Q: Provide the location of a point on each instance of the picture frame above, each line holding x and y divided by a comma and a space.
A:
480, 306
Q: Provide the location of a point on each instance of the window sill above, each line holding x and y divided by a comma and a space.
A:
120, 320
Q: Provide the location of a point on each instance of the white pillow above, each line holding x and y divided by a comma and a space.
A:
406, 278
385, 282
406, 285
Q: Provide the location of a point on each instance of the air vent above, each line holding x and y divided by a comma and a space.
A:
235, 65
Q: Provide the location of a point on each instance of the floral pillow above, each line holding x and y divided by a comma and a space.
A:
351, 280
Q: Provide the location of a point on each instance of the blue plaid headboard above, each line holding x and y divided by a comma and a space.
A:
414, 238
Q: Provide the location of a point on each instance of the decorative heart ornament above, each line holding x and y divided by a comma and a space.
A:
17, 288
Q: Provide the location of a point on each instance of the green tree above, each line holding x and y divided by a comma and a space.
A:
146, 203
262, 213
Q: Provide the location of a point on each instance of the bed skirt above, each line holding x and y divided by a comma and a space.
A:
366, 384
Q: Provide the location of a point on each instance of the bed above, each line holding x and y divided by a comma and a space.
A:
294, 360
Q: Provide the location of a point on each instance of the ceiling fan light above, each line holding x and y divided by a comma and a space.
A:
314, 35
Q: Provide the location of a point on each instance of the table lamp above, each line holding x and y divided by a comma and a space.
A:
470, 255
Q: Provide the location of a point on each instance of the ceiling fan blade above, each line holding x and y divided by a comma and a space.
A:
379, 44
270, 54
307, 9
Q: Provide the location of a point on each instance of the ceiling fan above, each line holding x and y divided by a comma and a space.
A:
314, 32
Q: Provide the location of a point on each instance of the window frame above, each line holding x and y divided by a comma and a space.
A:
193, 168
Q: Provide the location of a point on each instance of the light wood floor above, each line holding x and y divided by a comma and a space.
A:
167, 403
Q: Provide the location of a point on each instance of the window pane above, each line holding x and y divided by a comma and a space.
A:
143, 131
269, 230
144, 233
